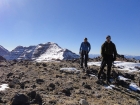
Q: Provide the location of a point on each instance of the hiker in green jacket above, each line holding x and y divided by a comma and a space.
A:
108, 53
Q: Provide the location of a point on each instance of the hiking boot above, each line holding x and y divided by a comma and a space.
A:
108, 82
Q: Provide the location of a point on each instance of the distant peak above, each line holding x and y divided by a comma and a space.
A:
19, 47
50, 43
3, 48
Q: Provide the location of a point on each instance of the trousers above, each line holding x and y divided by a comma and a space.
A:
106, 61
84, 57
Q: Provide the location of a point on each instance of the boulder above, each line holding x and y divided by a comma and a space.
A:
35, 98
1, 100
84, 77
87, 86
22, 85
52, 102
130, 76
83, 102
123, 83
44, 65
9, 74
67, 91
137, 67
11, 84
51, 87
19, 99
39, 81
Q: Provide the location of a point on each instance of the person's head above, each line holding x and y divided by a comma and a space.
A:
85, 40
108, 38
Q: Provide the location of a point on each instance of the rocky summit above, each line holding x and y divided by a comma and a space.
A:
64, 83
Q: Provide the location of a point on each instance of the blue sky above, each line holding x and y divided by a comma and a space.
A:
68, 22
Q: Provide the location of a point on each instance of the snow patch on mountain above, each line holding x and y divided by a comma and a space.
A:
27, 53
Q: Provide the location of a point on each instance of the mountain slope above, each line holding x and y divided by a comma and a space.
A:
14, 54
4, 52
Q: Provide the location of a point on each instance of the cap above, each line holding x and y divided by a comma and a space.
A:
85, 39
108, 36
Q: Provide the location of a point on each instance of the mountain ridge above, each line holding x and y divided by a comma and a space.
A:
41, 52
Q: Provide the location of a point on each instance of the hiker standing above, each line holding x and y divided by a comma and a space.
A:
84, 50
108, 53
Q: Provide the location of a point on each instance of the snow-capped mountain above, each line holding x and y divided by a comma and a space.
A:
4, 52
41, 52
50, 51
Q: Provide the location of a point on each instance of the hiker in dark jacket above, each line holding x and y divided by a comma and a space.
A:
108, 53
84, 50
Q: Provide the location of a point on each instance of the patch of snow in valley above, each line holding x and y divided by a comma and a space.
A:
94, 63
70, 70
3, 87
109, 87
130, 66
134, 87
122, 78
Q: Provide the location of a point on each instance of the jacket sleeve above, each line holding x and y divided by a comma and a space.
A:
89, 48
102, 50
115, 51
80, 47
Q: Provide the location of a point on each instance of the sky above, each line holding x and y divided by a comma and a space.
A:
68, 22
